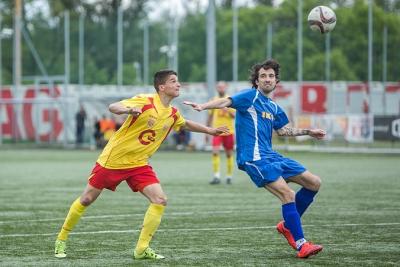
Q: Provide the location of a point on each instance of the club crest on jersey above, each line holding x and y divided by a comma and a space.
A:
151, 121
165, 127
267, 115
147, 137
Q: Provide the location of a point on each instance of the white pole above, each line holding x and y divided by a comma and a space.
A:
211, 43
17, 62
81, 49
269, 40
370, 58
17, 45
119, 47
235, 42
384, 62
300, 41
176, 44
145, 52
328, 57
66, 75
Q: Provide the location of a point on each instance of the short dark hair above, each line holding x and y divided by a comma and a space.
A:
268, 64
160, 77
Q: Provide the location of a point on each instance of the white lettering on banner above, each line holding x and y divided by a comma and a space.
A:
3, 115
396, 128
313, 98
312, 95
381, 128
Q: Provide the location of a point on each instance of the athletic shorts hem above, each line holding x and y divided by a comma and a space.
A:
265, 171
137, 178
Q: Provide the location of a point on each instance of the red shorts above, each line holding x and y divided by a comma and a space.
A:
226, 140
137, 178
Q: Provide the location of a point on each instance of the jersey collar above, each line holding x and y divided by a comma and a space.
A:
158, 104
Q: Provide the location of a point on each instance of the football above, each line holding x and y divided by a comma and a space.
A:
322, 19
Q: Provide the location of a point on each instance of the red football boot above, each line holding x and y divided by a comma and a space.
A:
280, 227
308, 249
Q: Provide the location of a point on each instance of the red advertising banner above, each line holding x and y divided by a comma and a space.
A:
313, 98
8, 120
23, 119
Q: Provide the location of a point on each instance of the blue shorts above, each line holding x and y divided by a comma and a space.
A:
268, 170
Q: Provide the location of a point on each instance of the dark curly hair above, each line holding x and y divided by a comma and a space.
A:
268, 64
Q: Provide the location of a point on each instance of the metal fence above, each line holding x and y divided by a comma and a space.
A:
352, 114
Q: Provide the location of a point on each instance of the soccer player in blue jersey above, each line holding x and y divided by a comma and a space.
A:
256, 117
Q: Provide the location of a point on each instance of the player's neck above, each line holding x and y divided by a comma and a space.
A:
264, 93
165, 100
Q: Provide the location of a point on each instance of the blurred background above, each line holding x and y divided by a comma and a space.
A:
63, 62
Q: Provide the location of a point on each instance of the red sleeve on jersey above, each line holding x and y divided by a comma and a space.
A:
149, 106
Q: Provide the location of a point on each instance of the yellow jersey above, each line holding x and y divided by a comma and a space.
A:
138, 138
223, 117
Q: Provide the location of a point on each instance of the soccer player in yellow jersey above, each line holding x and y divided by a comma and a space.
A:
125, 158
218, 118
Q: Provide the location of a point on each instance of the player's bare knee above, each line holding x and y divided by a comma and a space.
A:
160, 200
86, 200
316, 183
288, 196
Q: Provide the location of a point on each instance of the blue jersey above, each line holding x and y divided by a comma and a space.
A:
256, 117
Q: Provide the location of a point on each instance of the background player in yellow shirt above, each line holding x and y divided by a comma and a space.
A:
125, 158
218, 118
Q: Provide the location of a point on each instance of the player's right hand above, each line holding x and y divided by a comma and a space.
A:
135, 112
194, 105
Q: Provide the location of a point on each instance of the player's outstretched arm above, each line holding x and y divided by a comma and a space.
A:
199, 128
290, 131
119, 108
213, 104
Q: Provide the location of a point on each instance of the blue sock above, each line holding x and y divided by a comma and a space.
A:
292, 220
304, 197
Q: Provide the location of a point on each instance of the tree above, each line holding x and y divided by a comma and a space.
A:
348, 40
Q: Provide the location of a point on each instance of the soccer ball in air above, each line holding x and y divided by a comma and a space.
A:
322, 19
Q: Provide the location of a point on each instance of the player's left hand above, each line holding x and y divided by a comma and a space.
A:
223, 130
317, 133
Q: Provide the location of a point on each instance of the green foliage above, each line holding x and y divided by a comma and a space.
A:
349, 46
93, 75
192, 53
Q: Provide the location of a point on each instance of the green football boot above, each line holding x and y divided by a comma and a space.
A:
60, 249
148, 253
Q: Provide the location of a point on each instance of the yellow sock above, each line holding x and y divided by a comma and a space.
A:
75, 213
229, 166
152, 220
215, 163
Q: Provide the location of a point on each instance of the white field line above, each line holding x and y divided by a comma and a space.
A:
170, 214
202, 229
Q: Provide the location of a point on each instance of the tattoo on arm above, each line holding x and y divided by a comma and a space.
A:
289, 131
